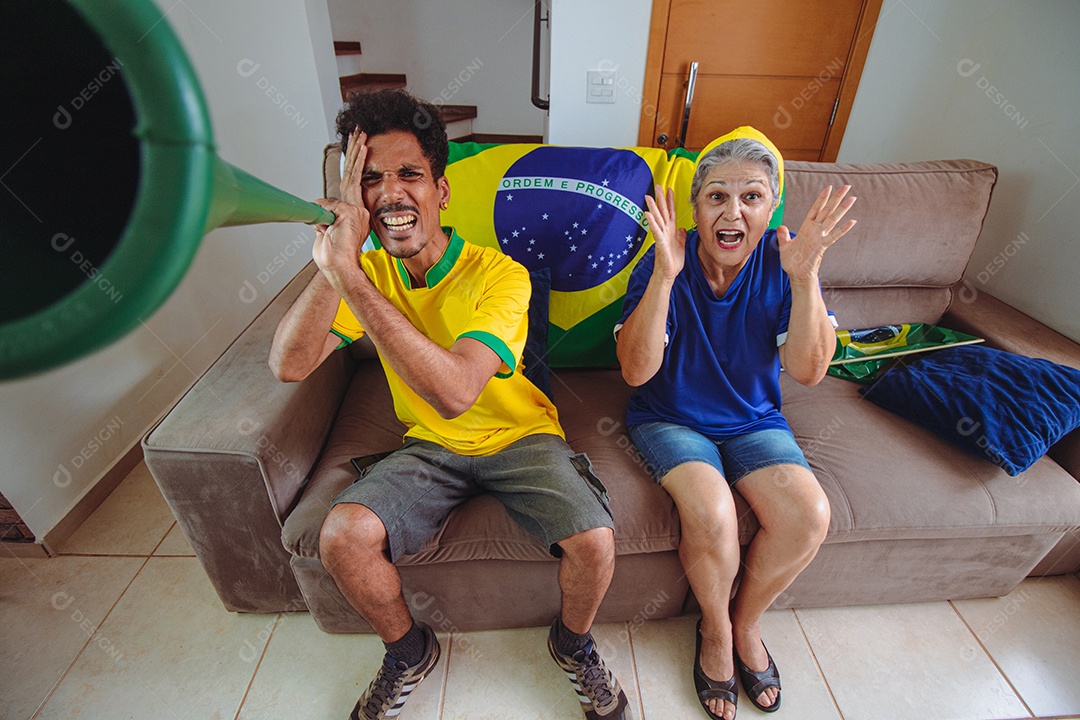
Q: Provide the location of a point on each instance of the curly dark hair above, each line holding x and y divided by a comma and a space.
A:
380, 111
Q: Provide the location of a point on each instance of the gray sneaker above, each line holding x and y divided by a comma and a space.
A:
598, 691
391, 687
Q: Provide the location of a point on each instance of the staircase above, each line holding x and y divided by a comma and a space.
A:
458, 118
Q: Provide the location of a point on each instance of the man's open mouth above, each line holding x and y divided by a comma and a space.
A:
398, 222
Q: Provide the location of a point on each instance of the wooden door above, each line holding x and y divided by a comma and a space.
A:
790, 68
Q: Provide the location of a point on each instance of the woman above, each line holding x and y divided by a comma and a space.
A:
709, 319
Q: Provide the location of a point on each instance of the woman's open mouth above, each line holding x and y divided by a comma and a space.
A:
729, 239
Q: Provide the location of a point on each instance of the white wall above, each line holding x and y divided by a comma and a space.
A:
465, 52
597, 35
322, 39
62, 430
995, 81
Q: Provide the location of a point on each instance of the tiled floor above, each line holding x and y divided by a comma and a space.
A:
125, 625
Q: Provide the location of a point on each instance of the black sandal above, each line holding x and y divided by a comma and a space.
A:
709, 689
754, 683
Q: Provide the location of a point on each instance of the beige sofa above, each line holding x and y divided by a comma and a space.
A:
249, 465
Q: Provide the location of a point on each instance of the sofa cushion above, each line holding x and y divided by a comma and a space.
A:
592, 410
918, 224
888, 478
591, 405
874, 307
1005, 408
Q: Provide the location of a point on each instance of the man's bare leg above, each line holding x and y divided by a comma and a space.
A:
588, 563
353, 546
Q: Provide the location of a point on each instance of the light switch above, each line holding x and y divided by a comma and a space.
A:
600, 86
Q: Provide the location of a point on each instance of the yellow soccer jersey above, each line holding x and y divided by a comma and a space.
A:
473, 292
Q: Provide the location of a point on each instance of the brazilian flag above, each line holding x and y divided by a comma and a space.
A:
578, 211
863, 355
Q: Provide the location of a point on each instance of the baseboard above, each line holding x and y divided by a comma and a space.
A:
23, 550
501, 139
89, 502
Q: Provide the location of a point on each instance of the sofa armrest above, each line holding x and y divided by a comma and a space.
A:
232, 457
1006, 328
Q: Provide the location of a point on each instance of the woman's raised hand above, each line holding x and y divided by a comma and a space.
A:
670, 239
801, 256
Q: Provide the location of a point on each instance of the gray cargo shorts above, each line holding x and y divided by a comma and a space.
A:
546, 488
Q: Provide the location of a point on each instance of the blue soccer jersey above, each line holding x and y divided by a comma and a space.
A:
721, 369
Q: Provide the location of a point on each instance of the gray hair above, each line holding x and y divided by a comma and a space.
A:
737, 149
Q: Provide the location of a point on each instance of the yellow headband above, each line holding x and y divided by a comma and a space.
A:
748, 132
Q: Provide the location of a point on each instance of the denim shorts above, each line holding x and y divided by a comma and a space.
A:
545, 487
667, 445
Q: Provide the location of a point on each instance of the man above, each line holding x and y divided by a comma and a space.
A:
438, 308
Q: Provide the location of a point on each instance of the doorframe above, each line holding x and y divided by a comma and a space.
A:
654, 69
849, 82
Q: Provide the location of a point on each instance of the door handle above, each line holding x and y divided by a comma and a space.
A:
690, 82
662, 139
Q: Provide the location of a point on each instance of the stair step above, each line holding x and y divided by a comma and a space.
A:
459, 129
346, 48
453, 113
375, 81
369, 81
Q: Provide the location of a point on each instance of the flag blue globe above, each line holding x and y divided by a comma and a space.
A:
577, 211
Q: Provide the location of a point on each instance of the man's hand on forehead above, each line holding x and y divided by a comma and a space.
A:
352, 136
353, 168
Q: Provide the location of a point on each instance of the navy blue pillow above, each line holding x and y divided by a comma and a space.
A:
535, 355
1003, 407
